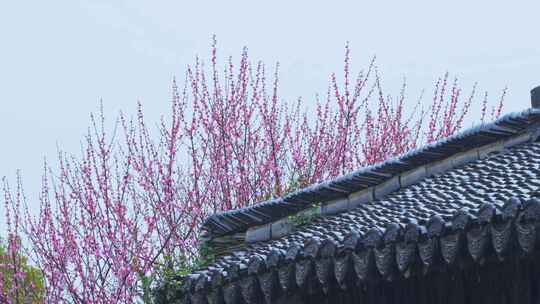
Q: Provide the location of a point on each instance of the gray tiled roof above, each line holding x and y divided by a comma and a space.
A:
494, 180
479, 211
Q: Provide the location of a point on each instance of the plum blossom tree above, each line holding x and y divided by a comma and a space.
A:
19, 281
113, 218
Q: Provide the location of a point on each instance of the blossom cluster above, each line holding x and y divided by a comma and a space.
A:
131, 205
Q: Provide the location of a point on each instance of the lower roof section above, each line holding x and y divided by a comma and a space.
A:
489, 256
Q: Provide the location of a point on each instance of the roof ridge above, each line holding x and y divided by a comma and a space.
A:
237, 220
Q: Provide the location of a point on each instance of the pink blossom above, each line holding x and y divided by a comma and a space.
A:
114, 214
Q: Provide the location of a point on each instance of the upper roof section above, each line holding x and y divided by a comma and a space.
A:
509, 126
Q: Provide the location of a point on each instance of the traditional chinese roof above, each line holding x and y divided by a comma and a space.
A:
476, 201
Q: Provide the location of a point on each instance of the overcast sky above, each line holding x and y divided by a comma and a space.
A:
58, 58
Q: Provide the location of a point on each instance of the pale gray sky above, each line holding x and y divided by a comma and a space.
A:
58, 58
